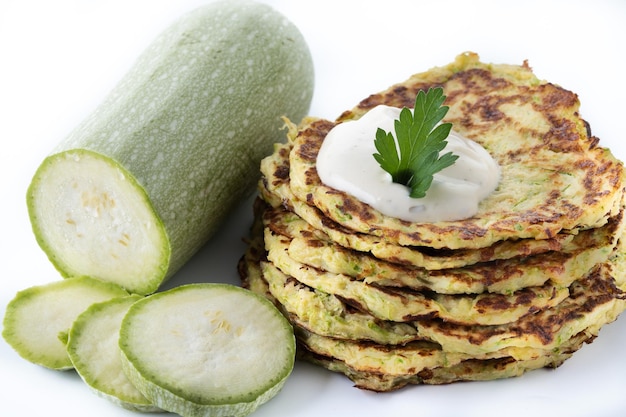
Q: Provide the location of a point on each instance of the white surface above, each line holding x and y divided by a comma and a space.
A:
59, 58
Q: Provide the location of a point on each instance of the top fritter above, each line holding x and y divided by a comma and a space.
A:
554, 175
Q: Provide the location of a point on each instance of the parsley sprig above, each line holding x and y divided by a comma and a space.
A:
420, 138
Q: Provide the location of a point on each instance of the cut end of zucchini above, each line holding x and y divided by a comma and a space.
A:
36, 317
92, 218
207, 349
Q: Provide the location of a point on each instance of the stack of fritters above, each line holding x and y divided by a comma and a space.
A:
521, 285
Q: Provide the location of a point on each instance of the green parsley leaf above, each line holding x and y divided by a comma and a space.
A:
420, 138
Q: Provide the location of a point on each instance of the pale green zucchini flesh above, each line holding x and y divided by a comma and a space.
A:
94, 350
207, 349
92, 216
38, 318
145, 180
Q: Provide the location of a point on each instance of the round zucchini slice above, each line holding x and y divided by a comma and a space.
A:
207, 349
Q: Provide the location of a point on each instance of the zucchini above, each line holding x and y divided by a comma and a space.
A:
93, 348
144, 181
207, 349
37, 319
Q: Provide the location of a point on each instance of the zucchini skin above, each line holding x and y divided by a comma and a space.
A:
197, 112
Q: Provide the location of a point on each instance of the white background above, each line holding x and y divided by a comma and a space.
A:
59, 58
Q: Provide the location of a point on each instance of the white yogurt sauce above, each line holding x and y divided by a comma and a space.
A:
346, 162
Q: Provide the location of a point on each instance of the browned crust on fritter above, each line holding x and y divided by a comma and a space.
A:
586, 295
467, 370
476, 107
274, 187
469, 230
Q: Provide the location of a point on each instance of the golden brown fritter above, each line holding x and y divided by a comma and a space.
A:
554, 175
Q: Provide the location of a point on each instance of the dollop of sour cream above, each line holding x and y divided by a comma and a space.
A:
345, 162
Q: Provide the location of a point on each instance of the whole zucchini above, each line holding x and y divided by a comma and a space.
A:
141, 184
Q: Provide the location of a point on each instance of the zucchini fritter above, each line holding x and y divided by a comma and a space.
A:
522, 285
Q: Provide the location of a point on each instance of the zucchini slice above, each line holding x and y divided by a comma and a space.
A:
38, 318
94, 350
207, 349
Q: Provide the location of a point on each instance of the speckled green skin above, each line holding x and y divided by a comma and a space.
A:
192, 119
